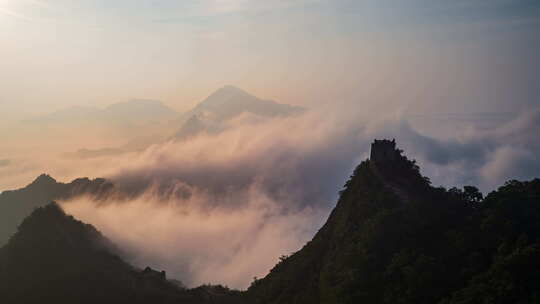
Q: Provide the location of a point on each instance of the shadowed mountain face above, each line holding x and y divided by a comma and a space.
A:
54, 258
227, 103
15, 205
393, 238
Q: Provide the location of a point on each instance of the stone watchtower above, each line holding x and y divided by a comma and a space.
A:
384, 151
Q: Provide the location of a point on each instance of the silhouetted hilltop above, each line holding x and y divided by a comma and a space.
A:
15, 205
44, 180
393, 238
54, 258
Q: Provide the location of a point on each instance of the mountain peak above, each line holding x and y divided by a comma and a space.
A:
229, 101
44, 179
231, 88
228, 94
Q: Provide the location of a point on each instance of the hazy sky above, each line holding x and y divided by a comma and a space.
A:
421, 55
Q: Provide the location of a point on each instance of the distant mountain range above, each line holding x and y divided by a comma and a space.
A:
392, 238
208, 117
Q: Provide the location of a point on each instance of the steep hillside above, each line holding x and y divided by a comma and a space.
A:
54, 258
392, 238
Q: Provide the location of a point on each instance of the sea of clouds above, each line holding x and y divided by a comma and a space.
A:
221, 208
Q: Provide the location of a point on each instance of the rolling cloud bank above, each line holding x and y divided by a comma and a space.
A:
222, 207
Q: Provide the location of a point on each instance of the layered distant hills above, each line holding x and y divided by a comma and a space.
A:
223, 104
392, 238
210, 116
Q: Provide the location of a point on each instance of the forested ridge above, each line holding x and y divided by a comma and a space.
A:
393, 238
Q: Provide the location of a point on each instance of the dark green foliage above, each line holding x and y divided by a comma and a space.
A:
393, 238
54, 258
510, 234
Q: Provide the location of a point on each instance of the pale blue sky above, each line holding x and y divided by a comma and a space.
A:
425, 55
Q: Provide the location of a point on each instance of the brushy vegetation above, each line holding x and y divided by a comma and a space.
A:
438, 246
54, 258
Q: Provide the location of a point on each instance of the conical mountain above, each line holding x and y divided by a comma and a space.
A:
224, 104
230, 101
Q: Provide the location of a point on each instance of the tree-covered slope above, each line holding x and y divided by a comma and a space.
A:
54, 258
393, 238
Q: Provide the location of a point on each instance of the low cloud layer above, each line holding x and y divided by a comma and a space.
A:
198, 245
222, 208
483, 157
